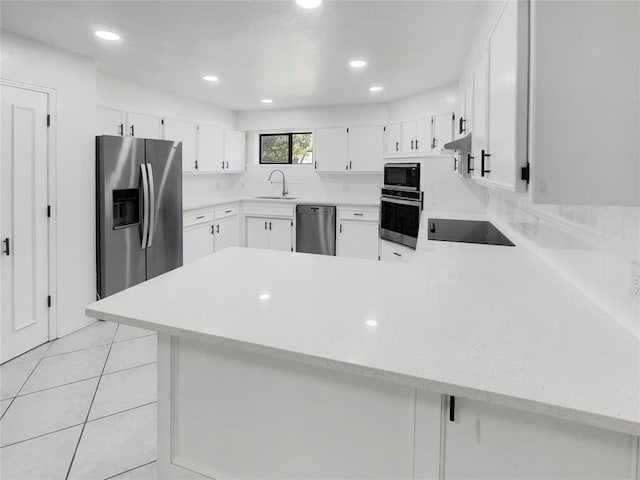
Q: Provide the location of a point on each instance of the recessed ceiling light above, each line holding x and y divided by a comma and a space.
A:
103, 34
309, 3
371, 323
264, 296
210, 78
357, 63
266, 100
375, 89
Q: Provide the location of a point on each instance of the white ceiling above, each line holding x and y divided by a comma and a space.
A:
263, 49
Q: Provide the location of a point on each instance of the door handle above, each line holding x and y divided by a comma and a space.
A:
482, 157
152, 205
7, 246
145, 205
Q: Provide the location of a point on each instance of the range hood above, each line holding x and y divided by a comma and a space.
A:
462, 145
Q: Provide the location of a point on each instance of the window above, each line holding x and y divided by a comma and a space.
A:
288, 148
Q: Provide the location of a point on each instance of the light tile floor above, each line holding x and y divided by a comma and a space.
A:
82, 407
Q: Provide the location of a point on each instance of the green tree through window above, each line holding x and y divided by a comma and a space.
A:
288, 148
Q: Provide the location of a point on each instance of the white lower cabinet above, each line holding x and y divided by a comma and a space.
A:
357, 232
226, 233
269, 233
197, 242
489, 441
392, 252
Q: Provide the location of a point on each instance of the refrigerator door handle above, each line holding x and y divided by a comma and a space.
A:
145, 205
152, 205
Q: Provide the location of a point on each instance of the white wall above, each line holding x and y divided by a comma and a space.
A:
121, 94
433, 102
74, 80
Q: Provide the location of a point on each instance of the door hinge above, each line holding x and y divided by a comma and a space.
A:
49, 301
48, 120
525, 173
48, 211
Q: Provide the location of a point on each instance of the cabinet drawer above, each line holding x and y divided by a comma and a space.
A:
224, 211
358, 213
268, 209
390, 252
195, 218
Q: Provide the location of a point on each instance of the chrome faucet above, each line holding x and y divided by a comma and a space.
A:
284, 182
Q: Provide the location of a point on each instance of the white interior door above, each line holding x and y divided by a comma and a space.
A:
24, 271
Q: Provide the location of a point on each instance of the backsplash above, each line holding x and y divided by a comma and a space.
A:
591, 246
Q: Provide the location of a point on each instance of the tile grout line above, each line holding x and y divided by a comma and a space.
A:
130, 470
86, 418
121, 411
41, 435
96, 346
25, 382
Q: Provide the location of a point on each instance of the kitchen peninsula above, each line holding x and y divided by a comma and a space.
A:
281, 365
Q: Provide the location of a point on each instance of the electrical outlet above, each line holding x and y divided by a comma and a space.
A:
635, 280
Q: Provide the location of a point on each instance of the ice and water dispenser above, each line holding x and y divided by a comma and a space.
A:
126, 207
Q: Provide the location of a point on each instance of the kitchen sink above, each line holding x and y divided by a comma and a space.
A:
268, 197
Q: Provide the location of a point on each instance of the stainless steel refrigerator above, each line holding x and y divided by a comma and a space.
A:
139, 210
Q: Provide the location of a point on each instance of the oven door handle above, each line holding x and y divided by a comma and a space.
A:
385, 198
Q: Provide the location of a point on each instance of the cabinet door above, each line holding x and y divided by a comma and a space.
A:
423, 134
366, 149
280, 234
489, 441
197, 242
503, 75
185, 132
480, 130
393, 138
144, 126
109, 121
257, 233
409, 132
357, 240
461, 117
210, 148
234, 150
442, 130
331, 149
227, 233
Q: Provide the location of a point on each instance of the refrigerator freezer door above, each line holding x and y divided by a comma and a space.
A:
164, 164
120, 216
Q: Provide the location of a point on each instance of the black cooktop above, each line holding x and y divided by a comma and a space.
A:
466, 231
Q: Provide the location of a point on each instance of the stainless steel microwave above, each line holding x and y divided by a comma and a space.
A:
402, 176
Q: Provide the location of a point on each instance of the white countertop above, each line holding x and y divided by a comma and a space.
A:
490, 323
368, 201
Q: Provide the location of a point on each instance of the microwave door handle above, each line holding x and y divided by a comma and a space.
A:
152, 205
413, 203
145, 205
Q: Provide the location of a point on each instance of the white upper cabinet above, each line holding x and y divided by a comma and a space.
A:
393, 140
585, 97
109, 121
185, 132
366, 149
331, 149
480, 132
424, 129
234, 151
442, 131
210, 148
409, 133
144, 126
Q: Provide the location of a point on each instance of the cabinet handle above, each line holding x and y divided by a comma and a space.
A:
7, 246
358, 214
196, 163
265, 225
315, 165
200, 217
397, 146
227, 165
223, 165
412, 144
452, 408
121, 129
397, 254
416, 144
211, 229
433, 143
340, 228
350, 167
218, 228
461, 128
469, 158
228, 211
482, 169
132, 131
455, 164
269, 225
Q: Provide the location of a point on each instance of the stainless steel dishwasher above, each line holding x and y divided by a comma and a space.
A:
316, 229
